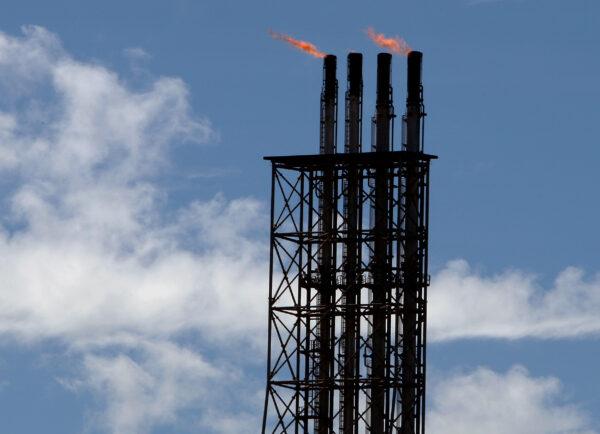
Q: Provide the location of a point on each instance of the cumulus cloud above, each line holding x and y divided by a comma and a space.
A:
90, 255
484, 401
147, 389
464, 303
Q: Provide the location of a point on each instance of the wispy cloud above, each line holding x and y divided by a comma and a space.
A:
136, 53
484, 401
466, 304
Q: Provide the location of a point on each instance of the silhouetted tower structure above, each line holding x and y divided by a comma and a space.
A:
348, 270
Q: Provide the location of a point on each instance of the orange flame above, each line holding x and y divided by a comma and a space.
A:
307, 47
396, 44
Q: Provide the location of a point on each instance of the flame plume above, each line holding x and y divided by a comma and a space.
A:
396, 45
307, 47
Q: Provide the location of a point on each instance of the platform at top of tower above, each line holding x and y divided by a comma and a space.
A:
316, 161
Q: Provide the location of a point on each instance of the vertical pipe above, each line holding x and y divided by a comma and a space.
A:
350, 343
379, 267
354, 93
384, 109
410, 359
414, 102
328, 137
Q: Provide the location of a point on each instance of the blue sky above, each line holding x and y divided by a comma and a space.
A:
134, 196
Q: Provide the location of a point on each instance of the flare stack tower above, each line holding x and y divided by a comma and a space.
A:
348, 268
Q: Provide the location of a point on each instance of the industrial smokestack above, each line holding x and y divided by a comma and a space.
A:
355, 83
384, 69
384, 110
354, 104
326, 289
328, 139
413, 297
414, 102
349, 397
379, 263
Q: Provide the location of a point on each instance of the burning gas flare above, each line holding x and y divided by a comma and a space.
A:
307, 47
396, 45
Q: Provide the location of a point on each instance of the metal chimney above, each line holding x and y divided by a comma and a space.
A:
384, 109
413, 355
354, 94
349, 354
414, 102
379, 260
327, 210
328, 139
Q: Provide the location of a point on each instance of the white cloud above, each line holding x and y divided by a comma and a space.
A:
143, 384
466, 304
91, 233
25, 61
126, 276
91, 257
136, 53
484, 401
148, 389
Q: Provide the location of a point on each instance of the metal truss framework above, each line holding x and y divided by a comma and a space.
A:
348, 291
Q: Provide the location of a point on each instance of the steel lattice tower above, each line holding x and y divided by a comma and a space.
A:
348, 270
